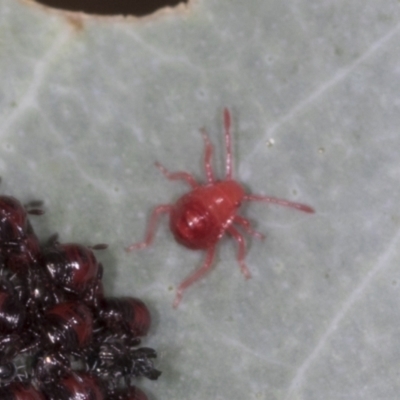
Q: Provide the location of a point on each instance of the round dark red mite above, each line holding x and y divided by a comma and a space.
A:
72, 267
201, 217
75, 386
69, 325
13, 219
19, 245
125, 316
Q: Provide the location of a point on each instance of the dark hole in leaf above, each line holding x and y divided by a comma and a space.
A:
112, 7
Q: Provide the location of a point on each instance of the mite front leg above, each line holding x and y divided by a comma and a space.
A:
196, 275
175, 176
151, 229
228, 144
207, 157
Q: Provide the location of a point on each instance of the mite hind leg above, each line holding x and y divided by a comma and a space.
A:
195, 276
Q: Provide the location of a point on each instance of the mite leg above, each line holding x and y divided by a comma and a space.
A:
241, 251
196, 275
281, 202
228, 143
247, 227
151, 228
34, 207
175, 176
99, 246
207, 157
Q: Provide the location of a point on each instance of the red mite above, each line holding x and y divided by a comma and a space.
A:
72, 266
123, 315
69, 325
201, 217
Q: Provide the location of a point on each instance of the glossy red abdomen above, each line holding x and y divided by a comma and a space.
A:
200, 217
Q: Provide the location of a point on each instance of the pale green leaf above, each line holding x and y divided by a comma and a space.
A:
88, 104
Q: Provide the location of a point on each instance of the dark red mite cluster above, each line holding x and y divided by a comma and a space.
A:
60, 337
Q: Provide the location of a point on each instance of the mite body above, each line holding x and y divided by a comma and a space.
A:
201, 217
